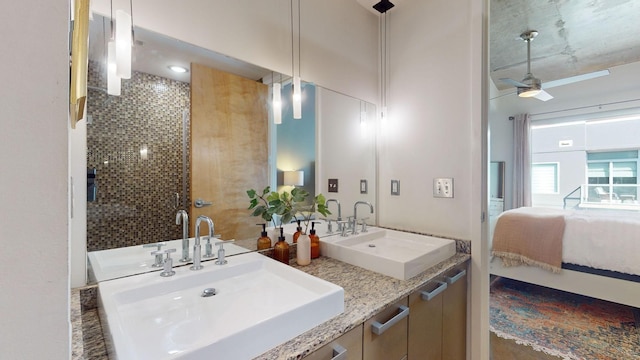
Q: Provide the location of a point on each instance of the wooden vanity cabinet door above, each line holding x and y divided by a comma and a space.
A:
454, 314
351, 341
425, 323
390, 345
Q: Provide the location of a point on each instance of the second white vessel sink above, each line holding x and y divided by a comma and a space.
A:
394, 253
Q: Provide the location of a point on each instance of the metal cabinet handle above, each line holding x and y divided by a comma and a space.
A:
201, 203
456, 277
427, 296
378, 328
339, 352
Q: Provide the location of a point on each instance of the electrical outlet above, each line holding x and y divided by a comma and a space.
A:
333, 185
363, 186
395, 187
443, 187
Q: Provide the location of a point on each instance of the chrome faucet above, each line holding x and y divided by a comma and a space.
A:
339, 208
197, 250
339, 219
183, 218
355, 214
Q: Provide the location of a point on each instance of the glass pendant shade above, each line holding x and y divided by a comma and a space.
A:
113, 81
123, 44
277, 103
297, 98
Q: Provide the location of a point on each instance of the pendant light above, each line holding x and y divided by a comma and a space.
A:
382, 7
113, 81
276, 104
123, 44
295, 86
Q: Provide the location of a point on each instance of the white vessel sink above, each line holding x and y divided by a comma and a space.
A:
259, 304
132, 260
393, 253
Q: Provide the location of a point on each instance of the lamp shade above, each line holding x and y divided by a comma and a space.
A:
294, 178
297, 98
277, 103
113, 81
123, 44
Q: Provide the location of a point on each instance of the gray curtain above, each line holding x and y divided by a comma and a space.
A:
521, 162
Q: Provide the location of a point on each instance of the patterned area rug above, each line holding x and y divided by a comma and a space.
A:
563, 324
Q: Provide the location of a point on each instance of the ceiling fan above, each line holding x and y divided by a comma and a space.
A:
531, 86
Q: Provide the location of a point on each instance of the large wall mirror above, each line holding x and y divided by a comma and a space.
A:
139, 166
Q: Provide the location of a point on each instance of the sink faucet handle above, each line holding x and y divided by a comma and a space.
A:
157, 253
329, 225
364, 225
342, 227
157, 244
221, 260
168, 262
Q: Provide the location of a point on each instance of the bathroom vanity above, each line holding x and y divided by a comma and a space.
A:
372, 297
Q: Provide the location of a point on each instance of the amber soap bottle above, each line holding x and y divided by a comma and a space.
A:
264, 241
296, 235
315, 242
281, 249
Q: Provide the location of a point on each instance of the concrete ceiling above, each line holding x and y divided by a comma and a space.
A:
575, 37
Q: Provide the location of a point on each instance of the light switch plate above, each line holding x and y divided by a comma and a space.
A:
443, 187
333, 185
395, 187
363, 186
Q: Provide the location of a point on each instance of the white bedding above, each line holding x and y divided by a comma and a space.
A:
600, 239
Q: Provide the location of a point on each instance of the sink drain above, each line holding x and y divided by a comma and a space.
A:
208, 292
372, 245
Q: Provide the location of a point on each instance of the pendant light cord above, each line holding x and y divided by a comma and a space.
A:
292, 48
299, 36
111, 20
133, 34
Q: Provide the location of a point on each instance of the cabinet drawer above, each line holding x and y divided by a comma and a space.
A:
385, 334
425, 322
454, 314
346, 347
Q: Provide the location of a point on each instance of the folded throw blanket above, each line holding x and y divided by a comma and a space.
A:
523, 237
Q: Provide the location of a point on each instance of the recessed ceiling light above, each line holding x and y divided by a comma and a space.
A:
178, 69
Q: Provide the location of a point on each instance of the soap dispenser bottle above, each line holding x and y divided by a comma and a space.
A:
303, 252
281, 249
264, 242
315, 241
296, 235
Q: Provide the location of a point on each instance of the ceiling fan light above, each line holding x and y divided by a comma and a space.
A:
528, 92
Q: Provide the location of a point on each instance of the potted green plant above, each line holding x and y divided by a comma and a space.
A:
288, 205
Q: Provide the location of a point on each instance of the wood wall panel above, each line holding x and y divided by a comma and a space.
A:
229, 148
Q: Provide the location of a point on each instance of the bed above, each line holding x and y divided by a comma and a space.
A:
599, 251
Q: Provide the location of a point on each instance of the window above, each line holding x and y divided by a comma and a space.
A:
617, 170
544, 178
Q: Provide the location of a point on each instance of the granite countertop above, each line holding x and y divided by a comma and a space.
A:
365, 294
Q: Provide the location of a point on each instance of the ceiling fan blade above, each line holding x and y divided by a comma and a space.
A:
543, 95
513, 82
573, 79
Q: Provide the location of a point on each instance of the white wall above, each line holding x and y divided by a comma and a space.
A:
427, 133
436, 129
78, 172
34, 300
338, 41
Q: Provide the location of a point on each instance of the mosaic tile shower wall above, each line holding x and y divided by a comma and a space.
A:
136, 191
